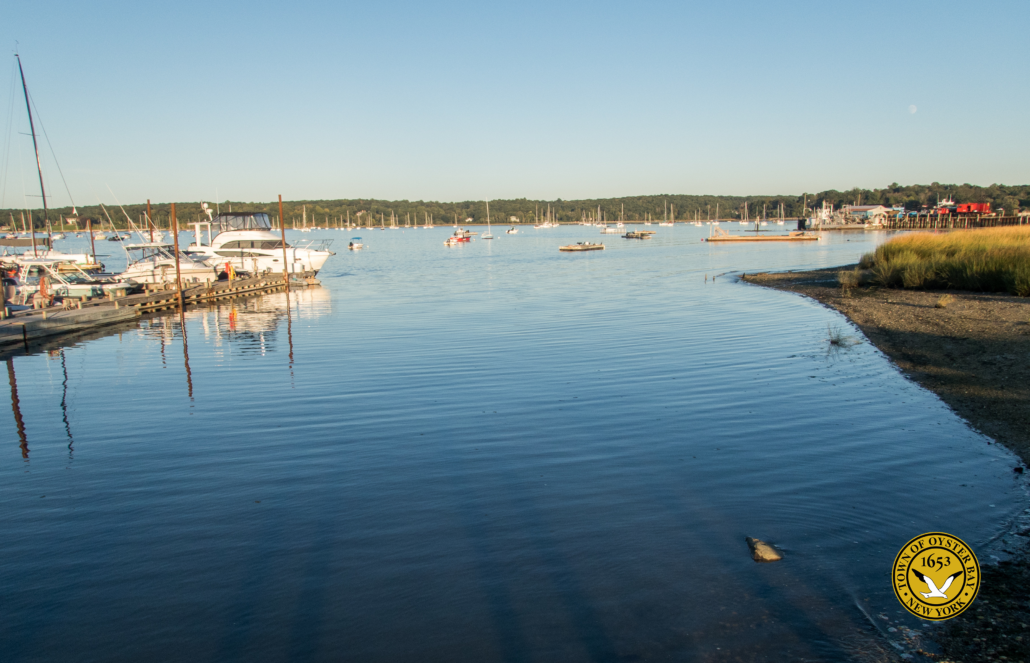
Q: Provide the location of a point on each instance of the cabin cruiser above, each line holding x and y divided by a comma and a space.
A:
25, 276
246, 240
154, 262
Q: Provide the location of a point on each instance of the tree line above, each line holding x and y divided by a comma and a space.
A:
522, 210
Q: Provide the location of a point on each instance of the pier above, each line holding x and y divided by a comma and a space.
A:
953, 222
76, 316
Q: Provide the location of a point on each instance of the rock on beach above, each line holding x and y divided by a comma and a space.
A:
762, 551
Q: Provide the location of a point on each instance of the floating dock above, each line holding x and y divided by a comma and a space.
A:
794, 236
77, 316
582, 246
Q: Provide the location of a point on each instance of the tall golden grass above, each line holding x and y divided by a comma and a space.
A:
983, 260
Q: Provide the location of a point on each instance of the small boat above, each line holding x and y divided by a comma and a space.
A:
355, 246
57, 236
453, 241
639, 234
582, 246
608, 230
512, 231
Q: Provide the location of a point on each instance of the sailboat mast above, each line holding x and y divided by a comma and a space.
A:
35, 146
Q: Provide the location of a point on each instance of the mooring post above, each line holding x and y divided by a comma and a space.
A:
175, 236
282, 227
92, 246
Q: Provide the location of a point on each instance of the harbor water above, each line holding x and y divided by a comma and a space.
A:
488, 452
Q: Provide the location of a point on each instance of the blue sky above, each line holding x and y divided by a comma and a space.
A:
455, 100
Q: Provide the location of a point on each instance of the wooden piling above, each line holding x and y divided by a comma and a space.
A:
175, 236
282, 227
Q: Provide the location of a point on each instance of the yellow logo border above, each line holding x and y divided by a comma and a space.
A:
901, 575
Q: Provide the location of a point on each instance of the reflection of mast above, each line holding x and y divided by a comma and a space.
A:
289, 335
164, 325
64, 404
17, 409
186, 354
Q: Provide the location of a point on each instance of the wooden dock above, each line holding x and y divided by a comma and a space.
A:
77, 316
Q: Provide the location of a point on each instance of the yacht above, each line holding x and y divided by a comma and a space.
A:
246, 240
154, 262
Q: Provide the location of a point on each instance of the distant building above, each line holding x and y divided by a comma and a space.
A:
513, 218
867, 213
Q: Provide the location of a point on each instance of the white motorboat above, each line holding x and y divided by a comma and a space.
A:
246, 240
63, 279
511, 231
154, 262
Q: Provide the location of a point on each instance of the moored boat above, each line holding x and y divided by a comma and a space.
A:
246, 240
582, 246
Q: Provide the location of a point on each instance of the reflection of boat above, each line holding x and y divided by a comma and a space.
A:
156, 264
582, 246
246, 240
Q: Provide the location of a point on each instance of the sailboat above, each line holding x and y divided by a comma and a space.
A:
81, 260
488, 234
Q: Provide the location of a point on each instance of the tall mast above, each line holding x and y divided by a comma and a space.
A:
35, 146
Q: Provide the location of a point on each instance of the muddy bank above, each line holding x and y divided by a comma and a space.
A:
974, 353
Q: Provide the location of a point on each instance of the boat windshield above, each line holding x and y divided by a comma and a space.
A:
245, 221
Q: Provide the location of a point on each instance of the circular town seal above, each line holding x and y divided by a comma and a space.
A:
936, 576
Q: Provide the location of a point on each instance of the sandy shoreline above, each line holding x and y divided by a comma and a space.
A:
975, 355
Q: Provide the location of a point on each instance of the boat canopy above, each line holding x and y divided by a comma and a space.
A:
241, 221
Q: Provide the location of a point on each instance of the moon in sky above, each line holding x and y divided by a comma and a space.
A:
912, 109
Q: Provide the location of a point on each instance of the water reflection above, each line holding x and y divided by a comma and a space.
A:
64, 401
16, 406
186, 354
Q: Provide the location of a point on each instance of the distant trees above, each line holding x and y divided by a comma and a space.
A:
1011, 198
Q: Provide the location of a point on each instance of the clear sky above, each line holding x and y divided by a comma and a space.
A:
452, 100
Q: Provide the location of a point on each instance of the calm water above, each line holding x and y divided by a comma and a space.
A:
493, 452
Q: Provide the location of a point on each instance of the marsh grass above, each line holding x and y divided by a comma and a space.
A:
944, 300
982, 260
849, 279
